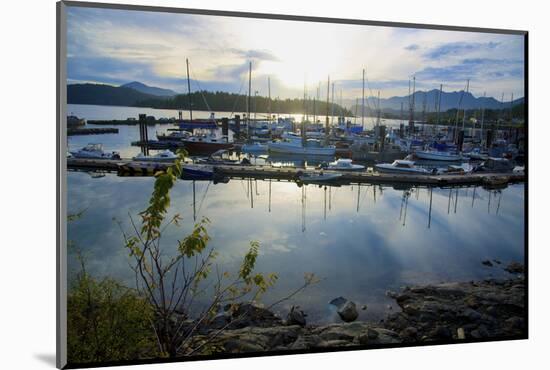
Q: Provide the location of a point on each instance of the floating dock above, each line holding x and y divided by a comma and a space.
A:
292, 174
92, 131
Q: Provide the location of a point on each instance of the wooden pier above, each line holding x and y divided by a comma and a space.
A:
92, 131
292, 174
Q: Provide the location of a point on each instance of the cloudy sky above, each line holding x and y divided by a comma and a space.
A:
120, 46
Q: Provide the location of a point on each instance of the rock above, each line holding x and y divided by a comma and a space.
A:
372, 334
460, 333
471, 314
348, 312
480, 332
296, 317
409, 334
487, 263
441, 332
515, 268
515, 323
364, 307
250, 314
497, 261
391, 294
238, 345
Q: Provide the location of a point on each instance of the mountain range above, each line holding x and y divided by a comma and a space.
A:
449, 100
151, 90
136, 94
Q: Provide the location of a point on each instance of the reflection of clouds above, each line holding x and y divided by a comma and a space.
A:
359, 253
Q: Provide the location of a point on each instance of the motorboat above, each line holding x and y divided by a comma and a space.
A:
435, 155
293, 144
401, 166
174, 136
164, 156
344, 164
94, 151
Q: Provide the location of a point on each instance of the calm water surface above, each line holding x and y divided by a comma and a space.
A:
361, 241
360, 246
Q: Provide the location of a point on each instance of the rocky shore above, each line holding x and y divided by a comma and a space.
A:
434, 313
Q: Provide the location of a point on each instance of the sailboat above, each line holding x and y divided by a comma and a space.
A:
294, 144
202, 144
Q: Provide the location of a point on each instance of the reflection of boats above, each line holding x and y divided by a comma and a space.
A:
344, 164
293, 144
318, 177
140, 168
94, 151
197, 172
401, 166
164, 156
436, 155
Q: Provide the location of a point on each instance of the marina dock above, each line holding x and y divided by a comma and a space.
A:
292, 173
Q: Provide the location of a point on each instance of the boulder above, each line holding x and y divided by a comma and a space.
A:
296, 317
514, 268
348, 312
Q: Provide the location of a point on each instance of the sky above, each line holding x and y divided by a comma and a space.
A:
120, 46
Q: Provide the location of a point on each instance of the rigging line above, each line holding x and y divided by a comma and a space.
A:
196, 81
371, 95
237, 99
203, 197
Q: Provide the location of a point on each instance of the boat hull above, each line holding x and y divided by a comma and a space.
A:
204, 147
409, 171
284, 148
434, 156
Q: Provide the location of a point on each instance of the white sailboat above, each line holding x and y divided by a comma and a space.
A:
292, 145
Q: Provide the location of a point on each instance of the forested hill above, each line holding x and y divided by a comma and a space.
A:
200, 100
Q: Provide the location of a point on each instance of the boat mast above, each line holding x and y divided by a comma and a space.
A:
356, 105
439, 102
248, 100
411, 106
269, 97
332, 106
464, 110
482, 119
363, 102
511, 107
378, 110
189, 90
326, 119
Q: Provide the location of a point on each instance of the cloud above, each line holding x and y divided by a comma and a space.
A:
258, 55
458, 48
118, 46
480, 69
412, 47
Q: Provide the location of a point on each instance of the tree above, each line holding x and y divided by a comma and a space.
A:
172, 284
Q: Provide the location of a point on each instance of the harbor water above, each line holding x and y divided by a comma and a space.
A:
361, 241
